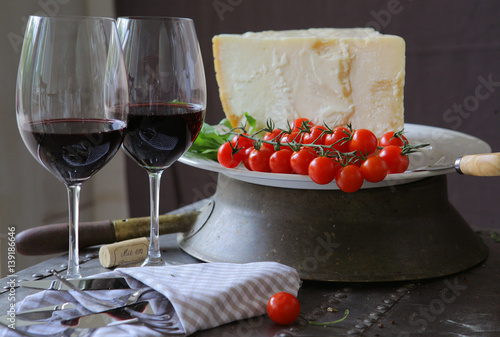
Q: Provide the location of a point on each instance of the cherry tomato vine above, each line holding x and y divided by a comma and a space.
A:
342, 154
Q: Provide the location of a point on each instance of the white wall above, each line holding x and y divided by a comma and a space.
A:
29, 195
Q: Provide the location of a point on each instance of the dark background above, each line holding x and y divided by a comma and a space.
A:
450, 44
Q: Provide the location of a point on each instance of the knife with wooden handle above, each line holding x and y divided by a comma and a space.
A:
481, 165
51, 239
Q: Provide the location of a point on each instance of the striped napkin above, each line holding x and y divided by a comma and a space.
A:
196, 296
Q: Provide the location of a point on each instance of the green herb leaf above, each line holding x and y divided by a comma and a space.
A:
346, 313
210, 138
252, 122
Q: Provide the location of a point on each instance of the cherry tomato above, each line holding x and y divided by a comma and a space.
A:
349, 178
300, 160
227, 157
374, 169
273, 136
389, 138
363, 141
316, 136
288, 138
279, 162
322, 170
301, 123
396, 163
246, 153
259, 159
283, 308
339, 139
242, 142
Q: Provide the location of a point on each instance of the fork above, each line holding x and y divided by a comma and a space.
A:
158, 323
119, 301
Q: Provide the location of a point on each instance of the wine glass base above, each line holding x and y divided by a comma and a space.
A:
153, 262
72, 273
72, 276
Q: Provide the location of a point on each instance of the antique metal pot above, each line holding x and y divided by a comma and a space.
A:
402, 232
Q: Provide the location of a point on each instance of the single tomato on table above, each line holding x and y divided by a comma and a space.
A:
283, 308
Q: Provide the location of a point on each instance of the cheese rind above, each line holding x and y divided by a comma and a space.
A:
333, 76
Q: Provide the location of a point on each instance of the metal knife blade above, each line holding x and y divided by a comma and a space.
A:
111, 317
30, 317
93, 283
42, 313
439, 167
97, 320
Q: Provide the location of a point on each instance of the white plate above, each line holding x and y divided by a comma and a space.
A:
445, 147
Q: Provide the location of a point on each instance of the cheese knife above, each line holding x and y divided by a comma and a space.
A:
480, 165
52, 239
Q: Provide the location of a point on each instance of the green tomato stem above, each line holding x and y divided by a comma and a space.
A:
346, 313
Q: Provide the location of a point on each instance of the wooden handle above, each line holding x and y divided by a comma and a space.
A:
481, 165
169, 223
52, 239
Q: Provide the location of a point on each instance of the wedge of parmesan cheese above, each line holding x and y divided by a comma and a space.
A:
333, 76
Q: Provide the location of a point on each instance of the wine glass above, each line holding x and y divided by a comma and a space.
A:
72, 102
167, 93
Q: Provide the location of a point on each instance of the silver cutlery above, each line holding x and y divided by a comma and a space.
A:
113, 316
119, 315
48, 311
111, 303
40, 313
91, 283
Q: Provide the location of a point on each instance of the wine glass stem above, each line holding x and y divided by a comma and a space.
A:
154, 254
73, 206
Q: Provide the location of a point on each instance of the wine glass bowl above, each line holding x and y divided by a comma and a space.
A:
73, 150
158, 134
167, 93
72, 102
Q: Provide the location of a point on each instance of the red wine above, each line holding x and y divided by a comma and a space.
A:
158, 134
73, 149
